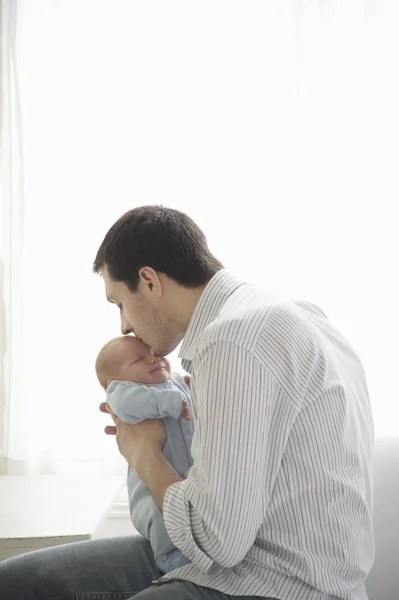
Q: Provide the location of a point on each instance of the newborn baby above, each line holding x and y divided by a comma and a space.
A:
139, 386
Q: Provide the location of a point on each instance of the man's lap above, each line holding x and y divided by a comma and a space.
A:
184, 590
107, 569
116, 568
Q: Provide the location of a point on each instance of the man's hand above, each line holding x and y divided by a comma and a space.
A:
135, 441
141, 446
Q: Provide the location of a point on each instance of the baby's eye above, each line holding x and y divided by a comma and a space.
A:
136, 361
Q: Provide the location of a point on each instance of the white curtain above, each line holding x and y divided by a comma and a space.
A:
274, 124
12, 294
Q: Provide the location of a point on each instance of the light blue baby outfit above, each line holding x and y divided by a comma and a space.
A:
133, 402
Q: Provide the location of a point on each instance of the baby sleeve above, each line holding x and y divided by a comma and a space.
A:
134, 402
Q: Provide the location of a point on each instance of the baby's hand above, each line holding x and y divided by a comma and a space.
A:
185, 411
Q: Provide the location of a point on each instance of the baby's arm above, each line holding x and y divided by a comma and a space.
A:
134, 402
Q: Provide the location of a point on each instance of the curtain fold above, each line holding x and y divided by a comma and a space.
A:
12, 419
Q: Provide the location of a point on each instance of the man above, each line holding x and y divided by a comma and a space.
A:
278, 501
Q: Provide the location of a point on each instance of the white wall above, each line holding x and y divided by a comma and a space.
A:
279, 141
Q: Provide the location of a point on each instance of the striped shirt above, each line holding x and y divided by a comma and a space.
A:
278, 502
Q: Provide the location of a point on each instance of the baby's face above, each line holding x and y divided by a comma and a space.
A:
139, 364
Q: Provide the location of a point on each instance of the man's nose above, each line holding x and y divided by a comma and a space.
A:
126, 328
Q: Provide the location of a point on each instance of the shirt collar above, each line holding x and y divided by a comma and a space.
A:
211, 301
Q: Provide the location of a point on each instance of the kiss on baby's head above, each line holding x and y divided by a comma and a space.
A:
127, 358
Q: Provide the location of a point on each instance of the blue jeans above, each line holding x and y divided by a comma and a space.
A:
106, 569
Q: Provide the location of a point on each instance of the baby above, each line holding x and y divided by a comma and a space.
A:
139, 386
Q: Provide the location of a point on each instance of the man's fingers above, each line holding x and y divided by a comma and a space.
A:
110, 430
105, 408
110, 411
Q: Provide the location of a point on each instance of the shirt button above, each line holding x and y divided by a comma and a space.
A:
164, 557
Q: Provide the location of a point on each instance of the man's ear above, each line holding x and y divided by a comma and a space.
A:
151, 283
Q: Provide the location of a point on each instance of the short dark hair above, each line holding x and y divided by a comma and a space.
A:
159, 237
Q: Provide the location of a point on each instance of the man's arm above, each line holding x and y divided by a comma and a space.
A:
213, 516
156, 472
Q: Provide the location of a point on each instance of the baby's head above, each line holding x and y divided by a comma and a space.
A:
129, 359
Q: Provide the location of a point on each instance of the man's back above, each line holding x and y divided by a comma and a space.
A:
287, 507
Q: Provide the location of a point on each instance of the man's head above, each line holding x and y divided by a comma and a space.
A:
155, 262
129, 359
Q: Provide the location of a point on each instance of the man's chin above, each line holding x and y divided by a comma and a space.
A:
165, 349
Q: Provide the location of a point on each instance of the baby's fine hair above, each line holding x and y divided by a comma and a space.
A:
106, 363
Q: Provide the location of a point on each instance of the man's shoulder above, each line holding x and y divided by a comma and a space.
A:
264, 323
245, 315
283, 338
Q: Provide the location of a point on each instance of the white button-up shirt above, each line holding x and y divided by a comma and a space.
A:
278, 501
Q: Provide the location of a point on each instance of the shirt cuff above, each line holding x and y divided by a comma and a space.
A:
178, 514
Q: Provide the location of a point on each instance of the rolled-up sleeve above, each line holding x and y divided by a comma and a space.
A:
243, 422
